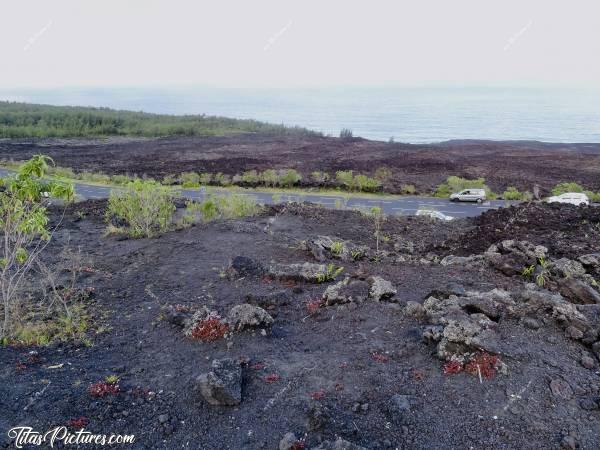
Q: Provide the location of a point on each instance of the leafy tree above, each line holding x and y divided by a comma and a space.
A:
24, 227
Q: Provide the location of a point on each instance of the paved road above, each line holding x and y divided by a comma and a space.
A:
392, 205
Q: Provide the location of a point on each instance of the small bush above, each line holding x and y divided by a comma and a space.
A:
382, 174
250, 177
320, 177
365, 184
145, 206
345, 178
561, 188
269, 178
289, 178
408, 189
206, 178
189, 180
512, 193
122, 180
346, 133
593, 196
236, 205
169, 180
222, 179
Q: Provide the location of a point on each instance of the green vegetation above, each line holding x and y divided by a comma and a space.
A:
456, 184
19, 120
145, 207
512, 193
189, 180
351, 182
24, 228
331, 272
220, 207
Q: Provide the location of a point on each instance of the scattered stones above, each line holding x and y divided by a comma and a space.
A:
531, 323
340, 444
399, 404
246, 316
448, 290
223, 384
592, 260
460, 260
346, 291
561, 388
567, 268
381, 289
574, 333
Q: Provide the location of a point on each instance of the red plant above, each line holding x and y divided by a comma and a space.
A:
452, 367
102, 388
272, 378
181, 308
78, 422
379, 357
210, 329
267, 280
318, 395
313, 305
298, 445
482, 363
257, 366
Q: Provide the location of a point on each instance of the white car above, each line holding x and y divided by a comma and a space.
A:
573, 198
469, 195
434, 214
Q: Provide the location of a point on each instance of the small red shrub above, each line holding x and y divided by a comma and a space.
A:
318, 395
210, 330
452, 367
484, 363
379, 357
272, 378
313, 306
78, 422
102, 388
298, 445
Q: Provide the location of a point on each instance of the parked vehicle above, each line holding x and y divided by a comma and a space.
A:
573, 198
434, 214
469, 195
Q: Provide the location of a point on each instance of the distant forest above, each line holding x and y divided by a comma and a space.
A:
23, 120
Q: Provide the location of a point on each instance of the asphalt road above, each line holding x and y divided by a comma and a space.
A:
391, 205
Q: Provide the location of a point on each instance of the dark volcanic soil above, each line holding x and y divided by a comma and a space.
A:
358, 355
502, 164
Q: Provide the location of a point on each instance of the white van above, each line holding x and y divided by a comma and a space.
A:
469, 195
573, 198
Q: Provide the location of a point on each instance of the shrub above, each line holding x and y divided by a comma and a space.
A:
204, 211
320, 177
250, 177
382, 174
145, 206
561, 188
593, 196
123, 179
269, 178
210, 329
23, 225
236, 205
189, 180
289, 178
206, 178
346, 133
169, 180
345, 178
512, 193
222, 179
408, 189
366, 184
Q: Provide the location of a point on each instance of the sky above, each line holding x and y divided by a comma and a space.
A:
278, 43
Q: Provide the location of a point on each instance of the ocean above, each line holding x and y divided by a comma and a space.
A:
414, 115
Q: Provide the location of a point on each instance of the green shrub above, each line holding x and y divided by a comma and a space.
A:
222, 179
236, 205
408, 189
206, 178
169, 180
345, 178
382, 174
320, 177
189, 180
593, 196
120, 180
146, 207
269, 178
289, 178
561, 188
366, 184
63, 172
512, 193
203, 211
250, 177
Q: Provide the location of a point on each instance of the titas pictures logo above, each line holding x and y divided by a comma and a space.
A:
27, 436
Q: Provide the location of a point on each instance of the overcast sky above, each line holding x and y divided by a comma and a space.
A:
300, 43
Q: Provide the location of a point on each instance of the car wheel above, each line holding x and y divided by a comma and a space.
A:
479, 200
582, 204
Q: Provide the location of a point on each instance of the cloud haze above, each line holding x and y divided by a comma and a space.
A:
279, 43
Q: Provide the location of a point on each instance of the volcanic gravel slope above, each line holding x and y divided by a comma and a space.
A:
502, 164
360, 371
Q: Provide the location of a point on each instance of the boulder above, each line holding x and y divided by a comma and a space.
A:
242, 266
346, 291
309, 272
270, 299
246, 316
381, 289
414, 309
567, 268
451, 260
576, 291
448, 290
223, 384
591, 260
